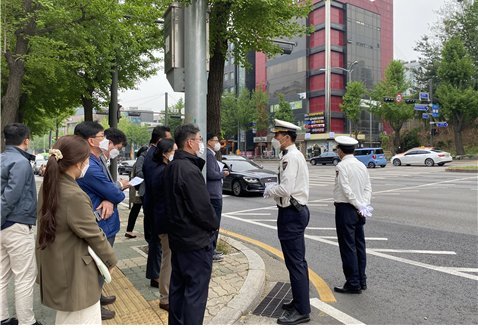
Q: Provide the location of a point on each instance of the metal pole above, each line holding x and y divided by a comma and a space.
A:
327, 66
166, 114
195, 65
430, 90
113, 115
370, 119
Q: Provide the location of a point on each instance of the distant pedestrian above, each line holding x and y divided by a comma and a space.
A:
352, 197
291, 195
68, 278
156, 188
18, 211
215, 176
153, 263
191, 226
137, 192
104, 192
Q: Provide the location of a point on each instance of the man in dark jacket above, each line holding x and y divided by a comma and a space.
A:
191, 226
19, 206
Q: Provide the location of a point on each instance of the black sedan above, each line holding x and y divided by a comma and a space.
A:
126, 167
245, 176
325, 158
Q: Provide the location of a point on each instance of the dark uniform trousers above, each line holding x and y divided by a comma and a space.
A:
188, 289
351, 239
291, 224
217, 205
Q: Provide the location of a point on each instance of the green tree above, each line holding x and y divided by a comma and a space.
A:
458, 99
260, 100
175, 112
228, 117
351, 103
395, 114
285, 110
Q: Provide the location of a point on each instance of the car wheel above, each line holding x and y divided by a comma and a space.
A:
429, 162
371, 165
382, 165
396, 162
335, 162
236, 188
313, 162
441, 164
324, 163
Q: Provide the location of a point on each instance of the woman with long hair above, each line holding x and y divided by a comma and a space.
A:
154, 183
67, 274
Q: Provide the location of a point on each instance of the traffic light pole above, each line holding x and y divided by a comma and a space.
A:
113, 115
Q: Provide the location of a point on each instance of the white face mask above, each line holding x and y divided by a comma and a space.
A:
104, 144
170, 158
217, 146
114, 153
83, 171
200, 152
275, 143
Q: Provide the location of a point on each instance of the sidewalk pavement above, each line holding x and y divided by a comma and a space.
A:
235, 287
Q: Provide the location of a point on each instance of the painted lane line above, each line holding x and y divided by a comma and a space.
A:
412, 251
334, 313
461, 269
320, 285
258, 214
366, 238
371, 252
263, 220
314, 228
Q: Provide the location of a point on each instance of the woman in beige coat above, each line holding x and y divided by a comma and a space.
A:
67, 274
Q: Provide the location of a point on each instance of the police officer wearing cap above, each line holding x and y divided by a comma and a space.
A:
352, 196
291, 195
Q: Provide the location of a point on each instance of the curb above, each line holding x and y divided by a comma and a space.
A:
251, 290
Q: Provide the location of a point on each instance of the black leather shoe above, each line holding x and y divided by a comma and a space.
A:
165, 307
9, 321
107, 314
288, 305
154, 283
105, 300
293, 317
347, 290
363, 286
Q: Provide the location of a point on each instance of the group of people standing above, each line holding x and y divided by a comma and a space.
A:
78, 220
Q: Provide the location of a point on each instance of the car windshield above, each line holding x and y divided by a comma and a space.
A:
328, 154
437, 151
242, 165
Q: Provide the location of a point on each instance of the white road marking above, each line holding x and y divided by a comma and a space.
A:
461, 269
412, 251
263, 220
264, 214
366, 238
334, 313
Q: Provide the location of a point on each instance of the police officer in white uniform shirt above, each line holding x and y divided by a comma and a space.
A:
291, 195
352, 196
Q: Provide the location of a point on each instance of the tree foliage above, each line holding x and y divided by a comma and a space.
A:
458, 98
284, 112
395, 114
351, 103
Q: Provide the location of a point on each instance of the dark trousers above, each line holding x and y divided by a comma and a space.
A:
350, 234
217, 204
153, 263
133, 215
291, 225
188, 289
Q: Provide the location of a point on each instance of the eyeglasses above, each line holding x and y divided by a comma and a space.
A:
216, 140
197, 139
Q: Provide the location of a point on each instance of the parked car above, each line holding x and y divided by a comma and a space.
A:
371, 157
422, 156
245, 176
328, 157
126, 167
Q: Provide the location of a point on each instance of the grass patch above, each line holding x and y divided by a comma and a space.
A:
224, 247
467, 168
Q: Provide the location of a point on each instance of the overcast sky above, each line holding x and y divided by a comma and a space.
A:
412, 19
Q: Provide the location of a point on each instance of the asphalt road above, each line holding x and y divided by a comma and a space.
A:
421, 242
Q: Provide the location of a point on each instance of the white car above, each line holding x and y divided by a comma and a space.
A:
422, 156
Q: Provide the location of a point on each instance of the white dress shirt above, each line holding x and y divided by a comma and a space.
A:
352, 182
293, 179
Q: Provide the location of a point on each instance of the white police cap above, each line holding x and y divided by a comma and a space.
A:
283, 126
346, 141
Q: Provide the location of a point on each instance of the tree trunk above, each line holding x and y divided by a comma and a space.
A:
16, 69
218, 19
87, 101
396, 141
457, 128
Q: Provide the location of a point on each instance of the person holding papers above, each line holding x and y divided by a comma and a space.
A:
67, 273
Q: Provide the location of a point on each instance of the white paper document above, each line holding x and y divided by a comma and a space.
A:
135, 181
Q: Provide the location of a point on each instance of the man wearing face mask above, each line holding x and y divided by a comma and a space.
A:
104, 192
19, 206
291, 195
214, 185
191, 222
116, 141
